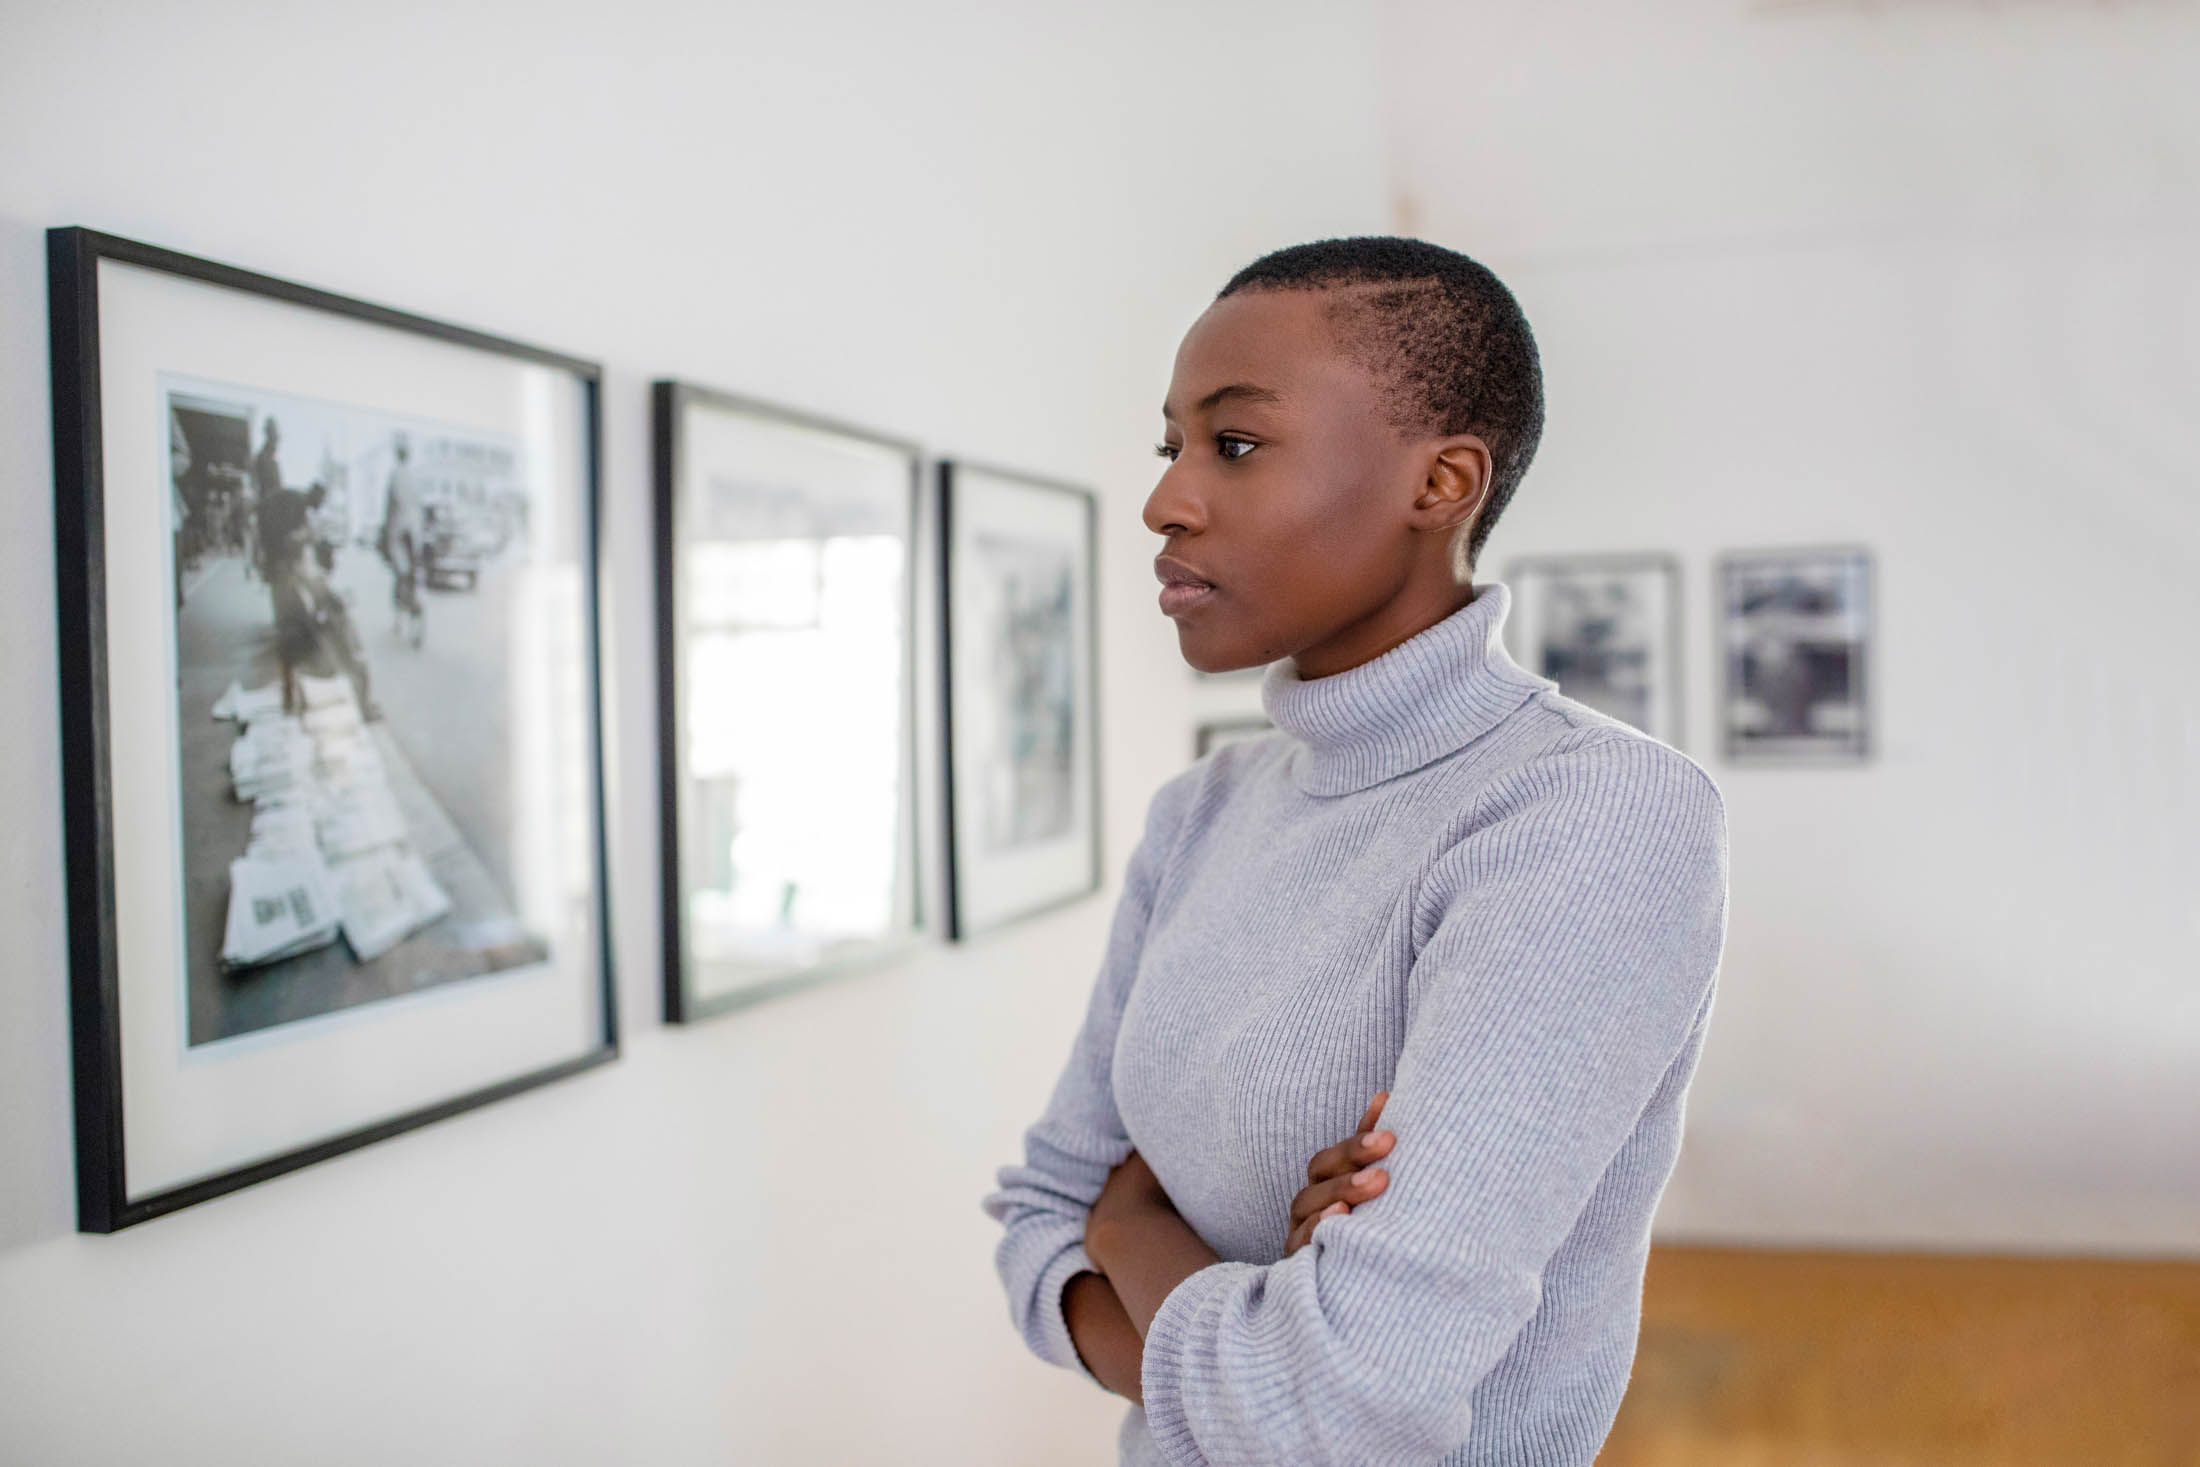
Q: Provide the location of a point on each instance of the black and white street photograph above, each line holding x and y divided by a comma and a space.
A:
1029, 717
1796, 630
330, 692
1018, 612
1606, 629
341, 637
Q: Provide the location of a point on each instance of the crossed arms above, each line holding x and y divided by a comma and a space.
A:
1572, 934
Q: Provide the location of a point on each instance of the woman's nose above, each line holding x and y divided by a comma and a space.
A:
1171, 508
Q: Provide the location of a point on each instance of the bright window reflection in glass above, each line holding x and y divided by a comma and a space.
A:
794, 743
789, 721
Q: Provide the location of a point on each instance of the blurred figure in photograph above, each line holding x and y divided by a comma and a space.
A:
267, 482
402, 537
313, 626
1779, 677
285, 540
179, 468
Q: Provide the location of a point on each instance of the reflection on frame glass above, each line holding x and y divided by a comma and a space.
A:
1017, 618
785, 551
1795, 640
1606, 628
329, 684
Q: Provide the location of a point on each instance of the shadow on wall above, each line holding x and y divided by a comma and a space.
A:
37, 1195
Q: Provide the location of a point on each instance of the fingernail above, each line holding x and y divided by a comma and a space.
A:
1333, 1209
1365, 1175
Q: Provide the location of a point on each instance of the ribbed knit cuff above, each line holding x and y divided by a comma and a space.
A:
1176, 1325
1047, 1309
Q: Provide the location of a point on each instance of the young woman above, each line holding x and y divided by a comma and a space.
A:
1440, 895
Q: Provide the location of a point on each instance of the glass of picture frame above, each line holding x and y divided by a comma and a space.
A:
785, 560
332, 765
1018, 660
1795, 634
1606, 629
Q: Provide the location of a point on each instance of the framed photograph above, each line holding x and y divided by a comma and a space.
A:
1018, 658
786, 676
1795, 629
1216, 732
1606, 628
331, 764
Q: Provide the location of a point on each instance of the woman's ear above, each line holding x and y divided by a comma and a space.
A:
1456, 483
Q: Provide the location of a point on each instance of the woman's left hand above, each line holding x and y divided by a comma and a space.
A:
1341, 1176
1140, 1243
1130, 1190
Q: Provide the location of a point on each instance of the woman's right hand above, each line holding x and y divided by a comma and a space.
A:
1340, 1176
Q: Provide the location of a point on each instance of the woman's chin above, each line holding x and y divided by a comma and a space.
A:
1207, 653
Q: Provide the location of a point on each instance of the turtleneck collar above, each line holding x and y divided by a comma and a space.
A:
1432, 694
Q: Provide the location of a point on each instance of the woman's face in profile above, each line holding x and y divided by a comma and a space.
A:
1287, 488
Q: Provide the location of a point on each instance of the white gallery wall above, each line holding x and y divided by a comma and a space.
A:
1924, 278
1916, 276
757, 1240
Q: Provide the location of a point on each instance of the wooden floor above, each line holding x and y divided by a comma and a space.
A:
1875, 1360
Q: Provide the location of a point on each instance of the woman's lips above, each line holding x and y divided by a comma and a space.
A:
1182, 596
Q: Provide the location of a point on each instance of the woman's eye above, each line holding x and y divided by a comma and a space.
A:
1166, 450
1234, 447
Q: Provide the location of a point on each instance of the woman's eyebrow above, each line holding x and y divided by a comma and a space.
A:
1242, 391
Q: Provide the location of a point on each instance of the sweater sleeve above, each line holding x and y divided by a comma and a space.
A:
1569, 942
1071, 1148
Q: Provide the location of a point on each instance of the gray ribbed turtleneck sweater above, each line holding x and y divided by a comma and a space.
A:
1439, 877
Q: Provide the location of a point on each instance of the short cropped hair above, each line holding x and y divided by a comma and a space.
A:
1445, 339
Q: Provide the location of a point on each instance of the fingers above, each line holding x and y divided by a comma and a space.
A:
1355, 1187
1344, 1156
1303, 1232
1339, 1176
1349, 1155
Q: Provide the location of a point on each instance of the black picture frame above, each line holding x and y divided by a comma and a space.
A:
1852, 748
1666, 567
81, 519
670, 401
960, 923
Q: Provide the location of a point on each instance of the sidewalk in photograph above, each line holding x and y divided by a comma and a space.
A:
226, 636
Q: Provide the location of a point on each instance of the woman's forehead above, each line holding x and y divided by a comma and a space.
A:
1260, 347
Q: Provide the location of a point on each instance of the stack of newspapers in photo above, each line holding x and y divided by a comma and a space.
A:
330, 851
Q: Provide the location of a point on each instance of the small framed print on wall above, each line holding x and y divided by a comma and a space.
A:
331, 764
1018, 644
786, 646
1606, 628
1795, 634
